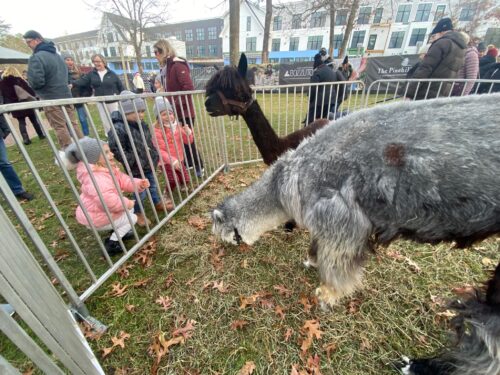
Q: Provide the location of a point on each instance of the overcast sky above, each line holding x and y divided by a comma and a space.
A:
53, 18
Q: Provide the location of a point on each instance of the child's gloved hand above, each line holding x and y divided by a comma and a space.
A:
176, 165
144, 184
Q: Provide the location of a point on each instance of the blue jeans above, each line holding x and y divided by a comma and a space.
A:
8, 171
152, 189
82, 116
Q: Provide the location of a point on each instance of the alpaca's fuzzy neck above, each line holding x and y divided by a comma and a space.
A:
269, 144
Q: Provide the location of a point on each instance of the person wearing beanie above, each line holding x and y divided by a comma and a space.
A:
481, 48
103, 82
77, 91
48, 76
131, 133
91, 156
170, 138
487, 61
443, 60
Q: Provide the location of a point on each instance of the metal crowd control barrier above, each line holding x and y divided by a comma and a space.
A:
42, 242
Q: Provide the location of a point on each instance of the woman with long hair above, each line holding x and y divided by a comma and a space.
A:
10, 78
175, 76
103, 81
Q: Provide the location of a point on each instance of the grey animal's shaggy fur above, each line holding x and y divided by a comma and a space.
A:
427, 171
476, 350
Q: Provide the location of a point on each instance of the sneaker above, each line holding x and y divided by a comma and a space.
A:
112, 247
200, 172
142, 220
25, 196
27, 141
7, 308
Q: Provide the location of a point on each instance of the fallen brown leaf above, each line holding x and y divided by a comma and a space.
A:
123, 271
120, 339
142, 282
288, 334
329, 348
117, 290
311, 328
129, 308
164, 302
186, 331
169, 280
279, 311
283, 291
198, 222
247, 369
238, 324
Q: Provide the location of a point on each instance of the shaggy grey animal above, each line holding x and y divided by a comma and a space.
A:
427, 171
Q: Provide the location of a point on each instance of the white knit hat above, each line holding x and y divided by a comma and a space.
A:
161, 104
89, 146
131, 105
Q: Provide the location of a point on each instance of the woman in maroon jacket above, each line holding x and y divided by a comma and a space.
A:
175, 76
10, 78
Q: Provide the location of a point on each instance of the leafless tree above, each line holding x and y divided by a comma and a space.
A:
234, 31
4, 28
349, 26
135, 17
267, 31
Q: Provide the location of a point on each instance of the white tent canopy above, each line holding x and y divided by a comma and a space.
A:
10, 56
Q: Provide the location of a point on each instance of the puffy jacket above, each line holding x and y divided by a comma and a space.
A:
443, 60
110, 84
48, 73
90, 198
176, 139
470, 70
126, 143
485, 64
322, 99
493, 73
176, 76
10, 96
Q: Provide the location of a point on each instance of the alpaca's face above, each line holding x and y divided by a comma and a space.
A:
232, 85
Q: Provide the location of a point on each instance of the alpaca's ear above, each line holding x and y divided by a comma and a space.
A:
243, 65
217, 216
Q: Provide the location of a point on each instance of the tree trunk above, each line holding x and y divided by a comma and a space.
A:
350, 25
267, 31
138, 58
234, 31
332, 28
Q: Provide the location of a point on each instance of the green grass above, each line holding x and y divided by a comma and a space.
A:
398, 311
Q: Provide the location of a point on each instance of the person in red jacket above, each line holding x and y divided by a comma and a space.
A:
176, 77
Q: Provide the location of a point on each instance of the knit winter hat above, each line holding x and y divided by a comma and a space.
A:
317, 61
32, 34
444, 24
66, 55
493, 52
89, 146
481, 47
161, 104
130, 105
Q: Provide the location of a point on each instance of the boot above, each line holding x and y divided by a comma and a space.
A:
142, 219
26, 139
112, 247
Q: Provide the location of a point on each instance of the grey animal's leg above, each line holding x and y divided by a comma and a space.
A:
312, 256
341, 232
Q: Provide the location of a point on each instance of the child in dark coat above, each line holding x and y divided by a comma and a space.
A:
147, 157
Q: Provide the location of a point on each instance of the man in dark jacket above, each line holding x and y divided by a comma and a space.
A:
324, 98
443, 60
48, 76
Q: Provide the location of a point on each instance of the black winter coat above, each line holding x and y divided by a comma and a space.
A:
322, 99
126, 143
110, 85
10, 96
492, 73
485, 64
443, 60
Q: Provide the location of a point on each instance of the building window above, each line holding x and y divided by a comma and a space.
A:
371, 41
200, 34
439, 12
275, 44
341, 17
212, 33
403, 14
252, 44
337, 40
178, 35
201, 51
423, 12
189, 35
156, 65
294, 44
118, 66
314, 42
249, 23
110, 37
417, 35
148, 65
148, 51
358, 37
318, 19
189, 51
467, 13
212, 50
396, 39
364, 15
296, 21
105, 50
277, 21
377, 18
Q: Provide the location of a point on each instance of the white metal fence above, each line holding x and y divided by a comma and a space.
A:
35, 239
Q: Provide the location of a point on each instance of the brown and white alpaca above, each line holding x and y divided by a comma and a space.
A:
228, 93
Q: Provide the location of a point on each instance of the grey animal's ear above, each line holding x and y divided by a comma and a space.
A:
243, 65
217, 216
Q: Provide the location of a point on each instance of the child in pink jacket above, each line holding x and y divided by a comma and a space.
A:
110, 194
172, 151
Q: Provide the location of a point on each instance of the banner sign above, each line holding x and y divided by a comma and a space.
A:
388, 67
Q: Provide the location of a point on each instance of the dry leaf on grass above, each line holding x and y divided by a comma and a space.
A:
306, 344
279, 311
117, 290
353, 306
89, 332
123, 271
60, 255
164, 302
117, 341
198, 222
130, 308
311, 328
216, 259
29, 371
413, 265
283, 291
252, 300
464, 291
169, 280
365, 344
142, 282
186, 331
247, 369
220, 286
313, 365
288, 334
238, 324
305, 301
329, 348
160, 347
